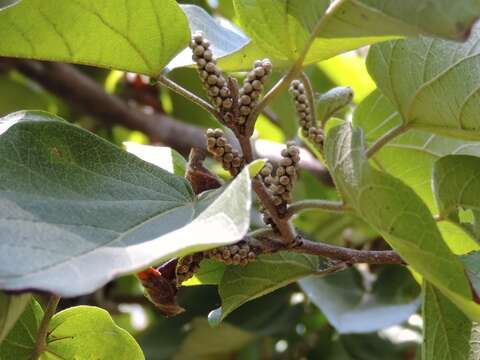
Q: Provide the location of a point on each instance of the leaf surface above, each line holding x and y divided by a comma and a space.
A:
140, 36
398, 214
11, 308
76, 211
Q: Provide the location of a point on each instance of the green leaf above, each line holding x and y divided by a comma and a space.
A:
269, 273
431, 82
376, 115
207, 343
398, 214
76, 211
20, 342
351, 309
89, 332
164, 157
210, 273
11, 308
141, 36
446, 330
281, 29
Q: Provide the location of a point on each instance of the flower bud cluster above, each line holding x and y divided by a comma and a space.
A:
240, 253
212, 78
188, 266
218, 146
253, 83
307, 123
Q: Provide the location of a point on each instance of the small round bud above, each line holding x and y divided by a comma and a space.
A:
284, 180
227, 103
245, 110
245, 100
212, 80
207, 55
199, 50
257, 85
259, 72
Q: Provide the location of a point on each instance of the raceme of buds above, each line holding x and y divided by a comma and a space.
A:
188, 266
212, 78
240, 253
285, 177
304, 111
218, 146
253, 83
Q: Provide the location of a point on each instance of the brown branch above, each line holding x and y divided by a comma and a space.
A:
83, 93
350, 256
41, 338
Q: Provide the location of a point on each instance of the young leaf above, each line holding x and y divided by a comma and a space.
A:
350, 309
376, 115
76, 211
139, 37
398, 214
207, 343
267, 274
89, 332
11, 308
432, 83
446, 330
281, 29
20, 342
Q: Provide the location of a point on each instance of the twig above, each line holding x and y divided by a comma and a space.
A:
165, 81
41, 340
326, 205
385, 139
310, 94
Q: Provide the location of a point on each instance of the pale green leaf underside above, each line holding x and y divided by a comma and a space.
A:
376, 115
11, 308
433, 83
90, 333
350, 309
394, 210
134, 35
77, 211
280, 29
269, 273
446, 329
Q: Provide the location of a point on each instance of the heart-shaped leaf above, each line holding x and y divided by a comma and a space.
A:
398, 214
446, 329
11, 308
82, 332
376, 115
432, 83
76, 211
350, 309
141, 37
267, 274
281, 29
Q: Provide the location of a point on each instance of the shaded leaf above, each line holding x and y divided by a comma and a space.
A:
207, 343
398, 214
139, 37
472, 267
446, 329
269, 273
11, 308
6, 3
350, 309
376, 115
431, 82
20, 342
210, 273
76, 211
